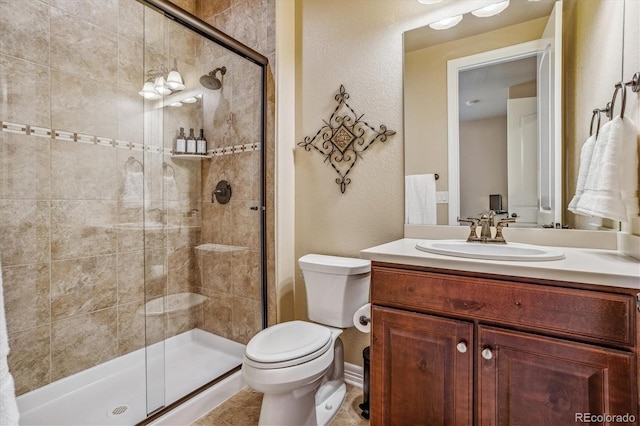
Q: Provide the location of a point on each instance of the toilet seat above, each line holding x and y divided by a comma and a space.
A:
287, 344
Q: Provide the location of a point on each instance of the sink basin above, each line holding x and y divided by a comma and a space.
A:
491, 251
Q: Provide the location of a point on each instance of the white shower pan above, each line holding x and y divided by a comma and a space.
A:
114, 393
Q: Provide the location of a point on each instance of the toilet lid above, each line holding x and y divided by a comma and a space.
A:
287, 341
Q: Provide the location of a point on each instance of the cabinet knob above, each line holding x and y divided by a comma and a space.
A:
461, 347
487, 354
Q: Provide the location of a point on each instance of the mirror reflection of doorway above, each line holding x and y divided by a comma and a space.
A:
545, 64
486, 167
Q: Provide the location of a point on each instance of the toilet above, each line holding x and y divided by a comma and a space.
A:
299, 365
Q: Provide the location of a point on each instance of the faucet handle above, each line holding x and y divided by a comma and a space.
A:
501, 223
472, 221
505, 221
473, 224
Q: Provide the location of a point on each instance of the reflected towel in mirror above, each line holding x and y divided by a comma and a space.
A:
420, 199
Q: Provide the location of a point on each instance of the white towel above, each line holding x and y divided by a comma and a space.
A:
171, 192
9, 414
583, 169
420, 199
134, 191
611, 186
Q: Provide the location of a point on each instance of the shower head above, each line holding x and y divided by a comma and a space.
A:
210, 81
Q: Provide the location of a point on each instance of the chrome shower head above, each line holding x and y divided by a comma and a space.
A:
210, 81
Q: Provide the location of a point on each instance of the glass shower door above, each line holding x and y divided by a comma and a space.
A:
202, 214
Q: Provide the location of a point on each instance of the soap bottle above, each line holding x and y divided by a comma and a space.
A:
191, 142
201, 144
181, 142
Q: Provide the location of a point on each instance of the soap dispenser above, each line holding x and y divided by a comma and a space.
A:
181, 142
201, 147
191, 142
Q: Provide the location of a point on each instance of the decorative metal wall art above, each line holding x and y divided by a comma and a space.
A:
344, 138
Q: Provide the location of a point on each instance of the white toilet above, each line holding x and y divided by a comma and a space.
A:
298, 365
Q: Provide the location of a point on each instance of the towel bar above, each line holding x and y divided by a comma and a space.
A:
131, 160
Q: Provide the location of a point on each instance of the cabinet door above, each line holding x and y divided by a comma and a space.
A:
525, 379
421, 369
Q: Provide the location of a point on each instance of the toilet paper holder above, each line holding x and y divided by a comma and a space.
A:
364, 320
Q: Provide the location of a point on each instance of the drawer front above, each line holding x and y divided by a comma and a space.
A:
588, 315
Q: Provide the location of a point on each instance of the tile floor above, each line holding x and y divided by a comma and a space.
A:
243, 409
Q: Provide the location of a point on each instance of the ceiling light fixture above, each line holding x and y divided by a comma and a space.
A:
446, 23
491, 10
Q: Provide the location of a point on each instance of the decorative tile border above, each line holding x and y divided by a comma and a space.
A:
66, 136
234, 149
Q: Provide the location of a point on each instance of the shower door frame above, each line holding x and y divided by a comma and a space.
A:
184, 18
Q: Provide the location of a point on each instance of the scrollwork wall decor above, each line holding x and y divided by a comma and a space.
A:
344, 138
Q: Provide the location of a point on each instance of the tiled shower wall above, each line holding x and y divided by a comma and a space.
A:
73, 275
234, 307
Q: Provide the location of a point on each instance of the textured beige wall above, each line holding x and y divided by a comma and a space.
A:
357, 44
426, 101
593, 55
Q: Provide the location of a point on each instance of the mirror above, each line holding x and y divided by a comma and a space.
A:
482, 179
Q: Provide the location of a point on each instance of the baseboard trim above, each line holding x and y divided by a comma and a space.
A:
353, 374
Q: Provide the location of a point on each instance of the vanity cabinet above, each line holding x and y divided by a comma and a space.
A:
455, 348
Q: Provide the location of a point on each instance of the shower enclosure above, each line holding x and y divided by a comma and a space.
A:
128, 283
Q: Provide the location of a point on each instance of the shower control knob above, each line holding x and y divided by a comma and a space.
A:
222, 192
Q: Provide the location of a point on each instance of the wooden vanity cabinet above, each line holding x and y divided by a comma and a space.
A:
419, 376
455, 349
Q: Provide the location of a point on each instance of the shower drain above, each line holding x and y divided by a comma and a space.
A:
119, 410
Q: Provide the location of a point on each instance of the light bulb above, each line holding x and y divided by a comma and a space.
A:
174, 81
491, 10
148, 91
446, 23
160, 86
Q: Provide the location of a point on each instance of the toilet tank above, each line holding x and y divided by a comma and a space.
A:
336, 287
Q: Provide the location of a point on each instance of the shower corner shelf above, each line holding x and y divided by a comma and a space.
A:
191, 156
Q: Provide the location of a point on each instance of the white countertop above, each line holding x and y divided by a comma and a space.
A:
590, 266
